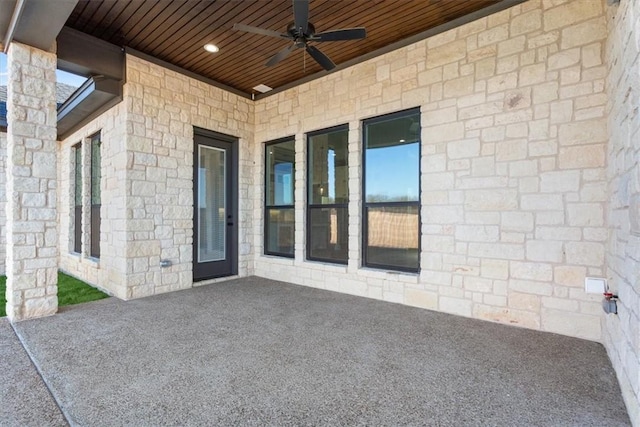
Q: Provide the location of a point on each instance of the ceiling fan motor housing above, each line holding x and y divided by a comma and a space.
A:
296, 34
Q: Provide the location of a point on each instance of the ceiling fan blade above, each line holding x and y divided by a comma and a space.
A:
321, 58
346, 34
261, 31
301, 14
280, 55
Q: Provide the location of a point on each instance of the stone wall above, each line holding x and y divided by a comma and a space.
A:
622, 332
164, 106
31, 184
147, 188
3, 201
108, 272
513, 166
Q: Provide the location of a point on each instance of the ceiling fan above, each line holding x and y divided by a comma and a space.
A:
301, 32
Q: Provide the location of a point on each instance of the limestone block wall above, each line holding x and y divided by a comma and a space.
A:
147, 181
3, 201
622, 332
108, 272
514, 133
162, 108
31, 186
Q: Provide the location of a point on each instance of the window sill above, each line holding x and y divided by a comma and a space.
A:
383, 271
337, 265
92, 260
284, 259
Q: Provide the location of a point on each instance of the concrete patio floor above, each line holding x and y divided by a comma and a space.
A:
258, 352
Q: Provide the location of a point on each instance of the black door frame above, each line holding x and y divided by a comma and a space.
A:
203, 271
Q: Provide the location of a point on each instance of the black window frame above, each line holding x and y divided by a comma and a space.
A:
316, 206
366, 205
95, 217
76, 149
268, 208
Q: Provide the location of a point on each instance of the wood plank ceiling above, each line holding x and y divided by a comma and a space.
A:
176, 31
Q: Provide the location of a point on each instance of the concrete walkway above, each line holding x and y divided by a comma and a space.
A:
258, 352
24, 398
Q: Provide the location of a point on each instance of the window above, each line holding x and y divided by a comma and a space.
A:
3, 93
96, 197
76, 151
328, 195
86, 170
391, 210
279, 221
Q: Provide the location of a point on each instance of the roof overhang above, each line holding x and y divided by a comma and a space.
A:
83, 54
23, 21
95, 96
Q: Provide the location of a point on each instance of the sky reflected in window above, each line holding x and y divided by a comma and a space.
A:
392, 173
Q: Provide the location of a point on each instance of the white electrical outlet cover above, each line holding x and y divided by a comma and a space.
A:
595, 285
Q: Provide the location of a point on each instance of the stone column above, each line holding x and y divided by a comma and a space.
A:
32, 237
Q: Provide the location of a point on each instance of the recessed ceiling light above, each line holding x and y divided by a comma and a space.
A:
262, 88
211, 48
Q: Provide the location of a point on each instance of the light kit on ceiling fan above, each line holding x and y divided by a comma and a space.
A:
301, 32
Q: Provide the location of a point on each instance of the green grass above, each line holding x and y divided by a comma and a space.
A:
3, 296
70, 291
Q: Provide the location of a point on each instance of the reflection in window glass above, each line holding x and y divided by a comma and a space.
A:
328, 168
279, 198
96, 173
77, 197
96, 195
392, 173
392, 236
328, 195
328, 234
280, 231
392, 159
3, 93
392, 189
280, 173
77, 189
